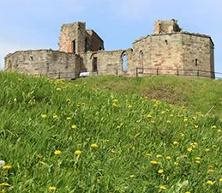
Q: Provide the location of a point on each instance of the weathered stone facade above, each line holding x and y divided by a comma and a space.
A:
169, 50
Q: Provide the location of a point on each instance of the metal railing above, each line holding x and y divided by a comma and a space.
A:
177, 72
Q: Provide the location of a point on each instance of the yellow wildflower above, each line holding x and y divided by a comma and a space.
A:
154, 162
220, 180
188, 192
160, 171
210, 171
189, 149
57, 152
210, 182
7, 167
78, 152
149, 116
94, 146
162, 187
73, 126
43, 116
159, 156
52, 188
175, 143
168, 158
55, 116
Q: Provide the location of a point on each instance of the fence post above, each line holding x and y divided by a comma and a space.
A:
59, 75
157, 71
136, 72
177, 72
198, 73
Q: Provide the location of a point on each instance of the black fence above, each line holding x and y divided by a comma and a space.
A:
177, 72
138, 72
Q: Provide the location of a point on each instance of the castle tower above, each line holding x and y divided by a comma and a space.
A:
72, 38
166, 26
76, 39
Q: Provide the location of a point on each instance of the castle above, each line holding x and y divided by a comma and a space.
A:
169, 50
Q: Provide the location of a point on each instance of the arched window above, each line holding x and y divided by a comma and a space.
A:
124, 62
141, 59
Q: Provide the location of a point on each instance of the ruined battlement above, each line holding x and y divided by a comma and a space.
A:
82, 50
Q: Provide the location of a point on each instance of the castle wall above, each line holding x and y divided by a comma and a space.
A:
109, 62
162, 52
44, 62
198, 53
175, 53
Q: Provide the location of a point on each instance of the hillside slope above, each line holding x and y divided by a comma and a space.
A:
69, 138
198, 94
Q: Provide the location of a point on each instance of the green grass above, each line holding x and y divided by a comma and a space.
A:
140, 145
197, 94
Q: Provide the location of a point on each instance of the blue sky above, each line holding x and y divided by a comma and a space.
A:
35, 24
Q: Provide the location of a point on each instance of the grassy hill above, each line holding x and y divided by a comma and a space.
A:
197, 94
102, 135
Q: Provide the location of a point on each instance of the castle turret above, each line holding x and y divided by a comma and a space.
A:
166, 26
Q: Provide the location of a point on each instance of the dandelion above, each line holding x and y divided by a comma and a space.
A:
52, 188
168, 158
57, 152
77, 152
189, 149
149, 116
73, 126
160, 171
55, 116
176, 163
220, 180
162, 187
94, 146
210, 182
210, 171
2, 163
7, 167
154, 162
175, 143
43, 116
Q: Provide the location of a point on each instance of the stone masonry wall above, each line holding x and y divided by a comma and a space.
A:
197, 54
72, 32
165, 53
44, 62
108, 62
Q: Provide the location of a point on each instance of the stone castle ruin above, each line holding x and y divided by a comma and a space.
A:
169, 50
